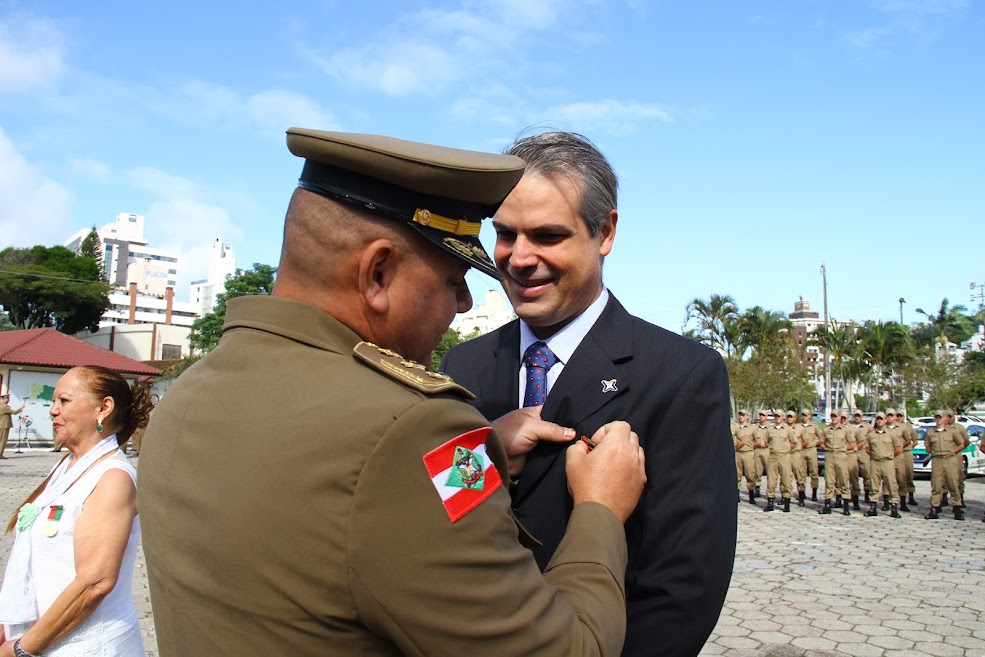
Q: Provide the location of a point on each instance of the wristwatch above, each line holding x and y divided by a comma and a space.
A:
20, 652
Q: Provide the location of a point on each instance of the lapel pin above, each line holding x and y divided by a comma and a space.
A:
609, 386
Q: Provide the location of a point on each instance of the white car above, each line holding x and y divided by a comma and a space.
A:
973, 459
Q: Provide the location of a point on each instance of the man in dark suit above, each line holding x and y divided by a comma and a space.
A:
597, 363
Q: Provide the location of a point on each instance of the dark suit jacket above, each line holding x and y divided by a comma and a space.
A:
674, 393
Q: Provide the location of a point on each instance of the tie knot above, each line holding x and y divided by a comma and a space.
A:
539, 354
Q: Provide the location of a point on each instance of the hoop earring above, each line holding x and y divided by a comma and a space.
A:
99, 426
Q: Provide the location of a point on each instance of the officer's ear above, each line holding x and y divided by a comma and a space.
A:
377, 271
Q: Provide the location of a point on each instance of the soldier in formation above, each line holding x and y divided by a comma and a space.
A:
745, 459
781, 442
944, 444
811, 435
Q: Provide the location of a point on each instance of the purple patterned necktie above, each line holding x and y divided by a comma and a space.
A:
539, 359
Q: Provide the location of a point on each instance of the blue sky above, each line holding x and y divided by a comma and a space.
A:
753, 139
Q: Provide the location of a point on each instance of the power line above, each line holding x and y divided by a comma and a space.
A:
57, 278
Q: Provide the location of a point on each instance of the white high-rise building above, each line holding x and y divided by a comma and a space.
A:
493, 312
222, 264
128, 258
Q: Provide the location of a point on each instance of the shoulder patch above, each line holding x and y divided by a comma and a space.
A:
411, 374
462, 473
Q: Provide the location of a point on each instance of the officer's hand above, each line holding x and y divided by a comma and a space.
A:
613, 474
522, 429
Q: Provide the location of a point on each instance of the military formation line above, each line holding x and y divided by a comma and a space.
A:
861, 460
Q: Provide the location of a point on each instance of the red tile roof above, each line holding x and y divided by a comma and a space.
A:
49, 348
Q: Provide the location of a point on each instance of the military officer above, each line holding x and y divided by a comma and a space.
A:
358, 506
862, 429
734, 428
836, 442
761, 448
944, 447
910, 440
782, 440
796, 457
6, 413
965, 439
829, 480
744, 456
899, 468
811, 436
883, 447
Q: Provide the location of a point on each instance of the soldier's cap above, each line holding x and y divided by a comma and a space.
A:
844, 414
5, 396
791, 414
891, 411
880, 415
442, 193
948, 412
743, 411
940, 413
764, 412
778, 412
805, 411
859, 413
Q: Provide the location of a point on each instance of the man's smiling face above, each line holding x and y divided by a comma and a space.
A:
551, 264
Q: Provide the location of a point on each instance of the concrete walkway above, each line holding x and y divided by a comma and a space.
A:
805, 585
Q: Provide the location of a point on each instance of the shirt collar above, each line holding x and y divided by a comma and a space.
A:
564, 342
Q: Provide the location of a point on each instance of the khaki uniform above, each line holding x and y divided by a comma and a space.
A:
6, 422
797, 458
745, 457
288, 508
898, 460
862, 430
965, 439
734, 428
945, 465
761, 436
782, 439
883, 445
812, 435
836, 462
905, 478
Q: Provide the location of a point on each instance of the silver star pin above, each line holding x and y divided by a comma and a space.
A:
609, 386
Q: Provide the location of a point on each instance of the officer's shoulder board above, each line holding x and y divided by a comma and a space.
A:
411, 374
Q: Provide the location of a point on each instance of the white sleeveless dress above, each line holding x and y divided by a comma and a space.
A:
112, 629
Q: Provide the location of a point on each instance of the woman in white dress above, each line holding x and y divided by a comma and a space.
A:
67, 588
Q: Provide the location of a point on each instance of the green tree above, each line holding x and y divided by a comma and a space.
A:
949, 319
717, 322
760, 327
45, 287
451, 338
775, 375
840, 342
887, 348
207, 329
92, 247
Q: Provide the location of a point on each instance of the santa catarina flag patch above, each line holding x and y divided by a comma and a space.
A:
462, 472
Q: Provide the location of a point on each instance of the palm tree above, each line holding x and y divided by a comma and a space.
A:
842, 344
948, 318
886, 346
759, 327
717, 320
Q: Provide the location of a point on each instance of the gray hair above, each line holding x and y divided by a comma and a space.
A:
577, 158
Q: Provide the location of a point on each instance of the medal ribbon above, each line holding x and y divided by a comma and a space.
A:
56, 512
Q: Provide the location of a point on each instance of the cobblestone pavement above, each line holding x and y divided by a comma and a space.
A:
805, 585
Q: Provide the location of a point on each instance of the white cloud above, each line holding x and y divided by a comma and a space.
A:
919, 20
93, 170
611, 116
31, 55
182, 218
432, 50
268, 112
33, 208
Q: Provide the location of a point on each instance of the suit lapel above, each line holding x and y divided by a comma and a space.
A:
497, 390
604, 354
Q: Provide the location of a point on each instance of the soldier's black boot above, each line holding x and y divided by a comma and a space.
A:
855, 503
786, 505
912, 501
933, 514
813, 495
867, 500
885, 502
944, 500
752, 497
827, 508
902, 505
759, 492
769, 504
872, 510
958, 513
801, 498
893, 513
837, 500
844, 509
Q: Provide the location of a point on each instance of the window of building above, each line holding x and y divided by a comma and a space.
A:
170, 351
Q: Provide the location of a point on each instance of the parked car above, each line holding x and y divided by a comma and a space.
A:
973, 461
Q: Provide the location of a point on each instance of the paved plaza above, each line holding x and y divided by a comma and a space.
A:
805, 585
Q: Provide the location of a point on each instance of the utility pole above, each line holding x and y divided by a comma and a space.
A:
827, 365
980, 297
901, 379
